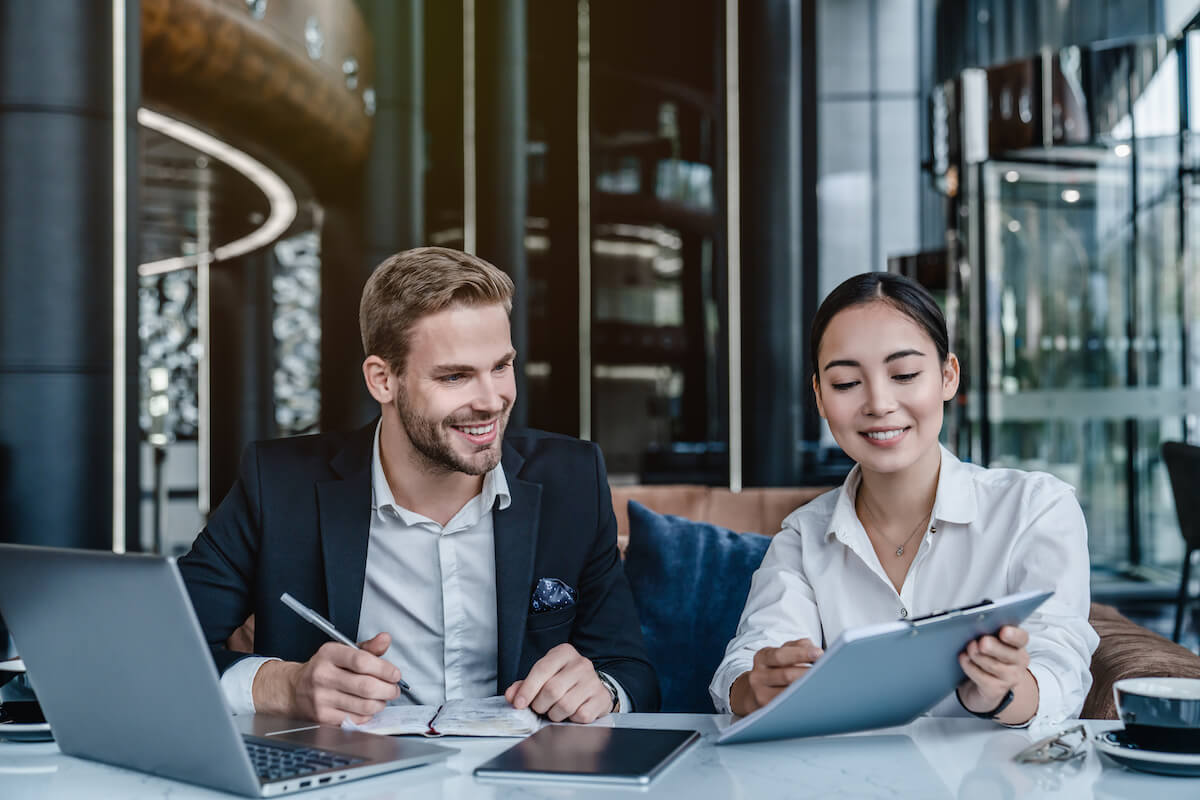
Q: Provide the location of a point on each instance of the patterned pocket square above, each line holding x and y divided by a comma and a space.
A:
551, 594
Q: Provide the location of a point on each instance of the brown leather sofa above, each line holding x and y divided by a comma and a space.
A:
1127, 650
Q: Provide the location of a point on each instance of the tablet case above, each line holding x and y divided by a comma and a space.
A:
879, 676
590, 754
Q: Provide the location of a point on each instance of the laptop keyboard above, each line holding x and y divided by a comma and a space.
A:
275, 762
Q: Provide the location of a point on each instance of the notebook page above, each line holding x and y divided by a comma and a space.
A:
397, 720
489, 716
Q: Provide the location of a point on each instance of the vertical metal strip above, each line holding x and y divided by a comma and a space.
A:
204, 367
120, 269
734, 243
1047, 59
470, 227
584, 181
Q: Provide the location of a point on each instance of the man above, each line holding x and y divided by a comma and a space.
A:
467, 562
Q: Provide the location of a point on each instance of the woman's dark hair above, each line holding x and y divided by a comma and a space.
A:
907, 296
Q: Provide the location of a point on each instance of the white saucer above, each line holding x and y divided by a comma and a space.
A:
1114, 745
26, 732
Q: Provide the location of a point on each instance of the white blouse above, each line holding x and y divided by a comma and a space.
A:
994, 532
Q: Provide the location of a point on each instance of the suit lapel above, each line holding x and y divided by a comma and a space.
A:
344, 505
515, 532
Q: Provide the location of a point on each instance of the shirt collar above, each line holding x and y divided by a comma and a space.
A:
495, 487
954, 502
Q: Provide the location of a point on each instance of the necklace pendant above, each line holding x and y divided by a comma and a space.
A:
900, 550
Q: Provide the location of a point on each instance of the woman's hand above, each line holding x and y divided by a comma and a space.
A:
774, 669
994, 665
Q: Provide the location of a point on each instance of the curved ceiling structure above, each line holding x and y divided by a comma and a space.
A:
281, 204
290, 81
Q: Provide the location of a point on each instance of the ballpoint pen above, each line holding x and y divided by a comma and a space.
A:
326, 626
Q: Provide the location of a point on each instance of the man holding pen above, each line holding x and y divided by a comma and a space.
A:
465, 561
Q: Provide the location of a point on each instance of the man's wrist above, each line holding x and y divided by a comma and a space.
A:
274, 687
613, 694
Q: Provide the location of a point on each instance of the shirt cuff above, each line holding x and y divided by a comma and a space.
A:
722, 684
1050, 710
238, 683
622, 698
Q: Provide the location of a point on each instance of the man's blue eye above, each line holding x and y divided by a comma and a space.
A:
451, 378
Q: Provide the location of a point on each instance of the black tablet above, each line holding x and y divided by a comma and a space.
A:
594, 754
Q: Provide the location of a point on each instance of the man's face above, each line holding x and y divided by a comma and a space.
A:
458, 388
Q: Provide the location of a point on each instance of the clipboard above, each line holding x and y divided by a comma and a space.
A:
879, 676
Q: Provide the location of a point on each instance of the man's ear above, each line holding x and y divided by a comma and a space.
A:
816, 384
382, 383
950, 376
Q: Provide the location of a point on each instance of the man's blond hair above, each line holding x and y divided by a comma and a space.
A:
415, 283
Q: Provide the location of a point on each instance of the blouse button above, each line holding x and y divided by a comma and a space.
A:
903, 612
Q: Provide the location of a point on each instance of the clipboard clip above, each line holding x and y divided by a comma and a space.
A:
952, 612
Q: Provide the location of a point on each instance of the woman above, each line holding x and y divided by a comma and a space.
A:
914, 530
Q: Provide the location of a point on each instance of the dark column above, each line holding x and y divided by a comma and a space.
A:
345, 403
394, 204
241, 347
379, 212
500, 145
57, 271
779, 265
553, 98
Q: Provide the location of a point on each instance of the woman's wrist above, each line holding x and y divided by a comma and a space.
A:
1018, 710
741, 699
1025, 702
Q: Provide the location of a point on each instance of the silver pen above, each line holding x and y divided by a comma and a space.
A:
326, 626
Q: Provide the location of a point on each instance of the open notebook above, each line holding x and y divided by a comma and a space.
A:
488, 716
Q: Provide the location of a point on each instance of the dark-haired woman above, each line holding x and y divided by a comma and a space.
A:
913, 530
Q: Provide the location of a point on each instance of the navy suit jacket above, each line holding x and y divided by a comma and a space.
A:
298, 519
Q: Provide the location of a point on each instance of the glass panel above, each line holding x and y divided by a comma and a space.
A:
1082, 320
658, 373
844, 191
896, 32
843, 42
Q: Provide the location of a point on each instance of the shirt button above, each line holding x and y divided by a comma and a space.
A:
903, 613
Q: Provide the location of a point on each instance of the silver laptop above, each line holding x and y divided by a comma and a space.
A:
123, 674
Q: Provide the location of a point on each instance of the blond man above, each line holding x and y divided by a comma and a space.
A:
468, 560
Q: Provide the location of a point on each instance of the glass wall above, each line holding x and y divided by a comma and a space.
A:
1074, 286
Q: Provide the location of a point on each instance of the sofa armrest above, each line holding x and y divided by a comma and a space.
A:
1127, 650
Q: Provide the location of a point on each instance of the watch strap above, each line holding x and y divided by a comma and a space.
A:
995, 712
612, 692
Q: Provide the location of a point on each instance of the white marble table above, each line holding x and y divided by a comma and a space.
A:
931, 758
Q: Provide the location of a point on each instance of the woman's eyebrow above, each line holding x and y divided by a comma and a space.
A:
902, 354
846, 362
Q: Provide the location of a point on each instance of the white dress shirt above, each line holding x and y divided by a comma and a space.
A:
994, 532
433, 588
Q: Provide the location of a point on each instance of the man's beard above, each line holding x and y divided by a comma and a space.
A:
430, 439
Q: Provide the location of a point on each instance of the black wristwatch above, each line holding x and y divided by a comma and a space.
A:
612, 692
995, 712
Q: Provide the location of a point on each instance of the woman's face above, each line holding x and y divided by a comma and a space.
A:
881, 387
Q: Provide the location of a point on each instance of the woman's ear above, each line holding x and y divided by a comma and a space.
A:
950, 375
381, 383
816, 384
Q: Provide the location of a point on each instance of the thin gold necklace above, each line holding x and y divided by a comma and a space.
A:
900, 549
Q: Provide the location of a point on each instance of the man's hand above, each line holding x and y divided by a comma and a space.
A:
774, 669
336, 683
994, 665
562, 685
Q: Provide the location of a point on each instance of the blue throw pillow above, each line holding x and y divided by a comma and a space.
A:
690, 581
